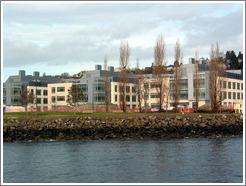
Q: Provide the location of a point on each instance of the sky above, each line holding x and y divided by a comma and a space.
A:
59, 37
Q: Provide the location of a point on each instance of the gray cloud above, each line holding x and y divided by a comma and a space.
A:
60, 33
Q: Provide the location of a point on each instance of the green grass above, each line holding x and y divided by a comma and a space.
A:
47, 114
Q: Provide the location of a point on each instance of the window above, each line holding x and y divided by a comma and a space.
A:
229, 95
154, 105
234, 85
115, 98
60, 98
201, 94
127, 89
128, 106
133, 106
38, 92
224, 84
32, 91
241, 86
238, 86
53, 99
238, 95
241, 95
225, 104
154, 95
229, 85
127, 98
60, 89
234, 95
45, 92
53, 90
133, 98
224, 95
184, 83
133, 90
229, 104
154, 85
38, 100
115, 88
183, 94
45, 101
146, 86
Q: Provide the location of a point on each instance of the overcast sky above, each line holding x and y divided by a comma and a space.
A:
69, 37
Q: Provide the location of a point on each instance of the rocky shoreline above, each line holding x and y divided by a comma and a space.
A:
120, 127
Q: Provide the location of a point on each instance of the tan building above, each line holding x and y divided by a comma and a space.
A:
232, 94
41, 97
57, 94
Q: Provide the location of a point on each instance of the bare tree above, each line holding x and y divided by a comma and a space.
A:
177, 75
74, 96
160, 69
216, 73
26, 97
123, 79
139, 85
106, 83
196, 81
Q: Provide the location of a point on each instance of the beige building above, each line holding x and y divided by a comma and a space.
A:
150, 95
232, 94
57, 94
41, 97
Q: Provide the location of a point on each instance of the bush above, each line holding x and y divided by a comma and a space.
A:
203, 111
228, 111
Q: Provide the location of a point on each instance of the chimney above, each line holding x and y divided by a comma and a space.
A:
98, 67
22, 73
36, 74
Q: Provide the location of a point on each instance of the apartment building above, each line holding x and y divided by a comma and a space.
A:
17, 83
53, 92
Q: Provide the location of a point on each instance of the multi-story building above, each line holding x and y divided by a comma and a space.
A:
16, 84
52, 92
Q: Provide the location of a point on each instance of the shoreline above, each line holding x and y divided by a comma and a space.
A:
156, 126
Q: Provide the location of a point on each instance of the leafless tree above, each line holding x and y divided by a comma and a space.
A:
26, 97
177, 75
139, 85
106, 81
160, 69
196, 80
216, 73
123, 78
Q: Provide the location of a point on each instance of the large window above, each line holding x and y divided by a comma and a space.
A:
60, 89
234, 95
224, 95
98, 88
133, 98
234, 85
45, 92
115, 88
201, 95
201, 83
238, 86
154, 105
154, 95
128, 98
99, 97
229, 95
133, 90
115, 98
45, 101
238, 95
53, 99
127, 89
60, 98
229, 85
183, 95
224, 84
53, 90
38, 100
83, 87
38, 92
184, 83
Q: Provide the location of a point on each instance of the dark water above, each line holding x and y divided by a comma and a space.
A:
197, 160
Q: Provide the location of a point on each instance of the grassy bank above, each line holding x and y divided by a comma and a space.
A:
47, 114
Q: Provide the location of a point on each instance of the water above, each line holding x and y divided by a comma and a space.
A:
195, 160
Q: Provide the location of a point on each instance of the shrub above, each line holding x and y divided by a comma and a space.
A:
203, 111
